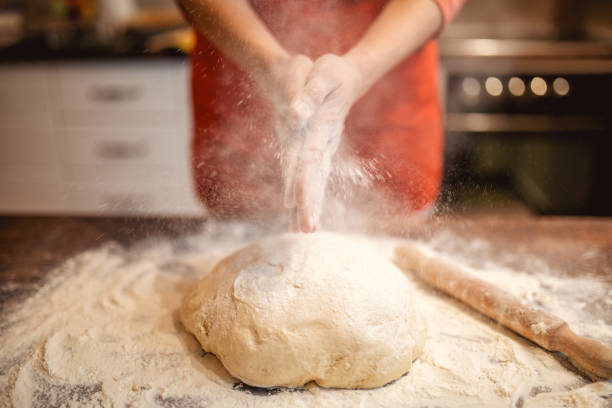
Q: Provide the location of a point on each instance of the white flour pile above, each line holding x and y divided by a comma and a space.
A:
104, 332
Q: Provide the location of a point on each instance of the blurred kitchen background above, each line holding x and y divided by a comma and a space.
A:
95, 115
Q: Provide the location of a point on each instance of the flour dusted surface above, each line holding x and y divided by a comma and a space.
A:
105, 332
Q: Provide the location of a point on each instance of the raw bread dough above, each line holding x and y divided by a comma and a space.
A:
297, 308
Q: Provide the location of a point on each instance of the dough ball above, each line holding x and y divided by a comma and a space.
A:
297, 308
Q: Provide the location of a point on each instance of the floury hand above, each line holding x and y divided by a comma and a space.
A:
316, 119
312, 100
282, 84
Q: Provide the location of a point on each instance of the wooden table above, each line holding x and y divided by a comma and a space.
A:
31, 246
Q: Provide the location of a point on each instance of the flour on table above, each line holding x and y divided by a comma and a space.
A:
584, 302
104, 331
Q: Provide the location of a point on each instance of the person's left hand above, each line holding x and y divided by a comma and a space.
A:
319, 112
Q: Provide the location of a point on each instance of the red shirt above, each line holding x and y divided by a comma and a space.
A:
396, 127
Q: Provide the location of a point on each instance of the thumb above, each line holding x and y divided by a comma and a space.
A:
309, 99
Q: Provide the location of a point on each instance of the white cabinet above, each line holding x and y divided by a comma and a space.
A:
22, 197
30, 179
96, 138
23, 89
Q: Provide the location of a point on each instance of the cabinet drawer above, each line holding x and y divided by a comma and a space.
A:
129, 199
29, 173
25, 197
118, 146
111, 119
27, 145
23, 97
23, 88
131, 85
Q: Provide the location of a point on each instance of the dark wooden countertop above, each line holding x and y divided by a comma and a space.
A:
35, 50
31, 246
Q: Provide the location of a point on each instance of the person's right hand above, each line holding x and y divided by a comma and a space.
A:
319, 111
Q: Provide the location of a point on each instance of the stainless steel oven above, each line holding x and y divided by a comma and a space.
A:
532, 108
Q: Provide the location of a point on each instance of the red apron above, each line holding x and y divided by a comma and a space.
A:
397, 125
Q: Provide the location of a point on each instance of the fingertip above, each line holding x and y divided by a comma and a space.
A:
314, 219
305, 223
313, 227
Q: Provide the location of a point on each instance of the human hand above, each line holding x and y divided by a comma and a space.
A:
281, 82
316, 122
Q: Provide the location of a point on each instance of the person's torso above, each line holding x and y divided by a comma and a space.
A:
314, 28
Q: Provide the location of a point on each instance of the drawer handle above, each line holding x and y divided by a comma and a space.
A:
114, 93
121, 150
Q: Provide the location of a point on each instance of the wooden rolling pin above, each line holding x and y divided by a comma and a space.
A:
549, 332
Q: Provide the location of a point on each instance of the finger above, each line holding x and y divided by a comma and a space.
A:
316, 201
320, 141
294, 219
309, 99
315, 192
310, 185
313, 173
306, 179
306, 223
290, 144
289, 163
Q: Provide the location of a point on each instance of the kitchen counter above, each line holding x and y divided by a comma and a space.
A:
35, 49
93, 320
33, 246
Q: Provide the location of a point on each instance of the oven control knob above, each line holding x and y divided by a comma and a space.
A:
561, 86
471, 87
494, 86
538, 86
516, 86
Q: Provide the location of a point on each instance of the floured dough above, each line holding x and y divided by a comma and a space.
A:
297, 308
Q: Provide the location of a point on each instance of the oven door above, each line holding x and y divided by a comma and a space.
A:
546, 135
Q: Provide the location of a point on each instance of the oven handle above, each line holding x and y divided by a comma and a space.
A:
499, 122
